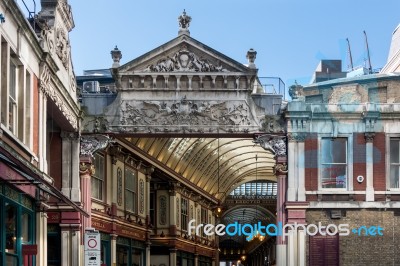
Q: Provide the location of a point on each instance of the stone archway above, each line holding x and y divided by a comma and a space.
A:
192, 114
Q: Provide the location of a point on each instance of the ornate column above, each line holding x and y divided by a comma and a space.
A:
281, 174
166, 77
86, 170
178, 82
190, 77
89, 145
369, 191
277, 146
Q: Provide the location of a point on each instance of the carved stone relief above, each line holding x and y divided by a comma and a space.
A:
184, 60
141, 196
347, 95
163, 210
55, 96
274, 144
119, 186
183, 112
91, 144
273, 124
178, 212
62, 47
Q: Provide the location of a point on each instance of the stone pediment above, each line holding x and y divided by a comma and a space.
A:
184, 54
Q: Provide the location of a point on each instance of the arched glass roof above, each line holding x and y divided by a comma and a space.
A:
216, 165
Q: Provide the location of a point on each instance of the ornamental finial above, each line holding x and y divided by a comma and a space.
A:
184, 23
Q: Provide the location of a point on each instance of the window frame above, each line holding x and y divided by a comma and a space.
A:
389, 137
134, 191
349, 160
13, 99
98, 179
184, 216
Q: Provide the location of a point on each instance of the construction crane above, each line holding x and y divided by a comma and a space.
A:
369, 57
350, 57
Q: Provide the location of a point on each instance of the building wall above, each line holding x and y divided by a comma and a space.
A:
363, 250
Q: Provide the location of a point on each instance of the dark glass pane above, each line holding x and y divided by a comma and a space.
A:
394, 176
11, 228
394, 151
333, 150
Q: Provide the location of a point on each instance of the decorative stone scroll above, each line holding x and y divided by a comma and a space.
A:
184, 60
272, 143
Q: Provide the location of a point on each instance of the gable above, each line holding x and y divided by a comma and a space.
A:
184, 54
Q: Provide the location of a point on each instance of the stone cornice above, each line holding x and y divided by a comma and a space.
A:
65, 11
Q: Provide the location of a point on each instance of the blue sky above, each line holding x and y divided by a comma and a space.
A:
290, 36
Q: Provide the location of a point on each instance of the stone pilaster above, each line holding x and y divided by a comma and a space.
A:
172, 211
114, 249
70, 245
41, 232
369, 191
281, 174
172, 256
70, 185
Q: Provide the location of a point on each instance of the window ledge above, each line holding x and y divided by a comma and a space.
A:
20, 143
392, 192
342, 192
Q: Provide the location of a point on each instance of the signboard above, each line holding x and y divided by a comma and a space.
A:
324, 250
92, 248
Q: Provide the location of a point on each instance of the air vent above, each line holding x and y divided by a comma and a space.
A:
91, 86
336, 214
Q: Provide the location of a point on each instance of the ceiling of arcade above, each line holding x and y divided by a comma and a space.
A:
216, 165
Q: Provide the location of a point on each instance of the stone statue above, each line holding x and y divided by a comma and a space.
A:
184, 20
296, 91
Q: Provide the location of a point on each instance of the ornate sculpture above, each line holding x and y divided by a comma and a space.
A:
184, 112
184, 20
62, 46
281, 168
295, 91
272, 143
116, 56
93, 143
184, 60
273, 124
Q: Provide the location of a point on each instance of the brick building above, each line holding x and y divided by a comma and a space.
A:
343, 145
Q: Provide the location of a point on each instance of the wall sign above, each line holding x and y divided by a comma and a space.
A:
92, 247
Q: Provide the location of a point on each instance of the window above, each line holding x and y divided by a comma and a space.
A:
98, 177
249, 189
394, 162
16, 95
12, 96
130, 190
184, 214
333, 163
204, 219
